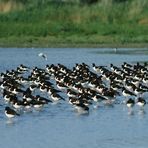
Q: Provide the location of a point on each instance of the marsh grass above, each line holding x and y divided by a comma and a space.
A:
56, 22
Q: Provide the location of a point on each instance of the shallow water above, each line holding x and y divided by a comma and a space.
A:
58, 125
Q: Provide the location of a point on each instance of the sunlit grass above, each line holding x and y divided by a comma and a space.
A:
10, 5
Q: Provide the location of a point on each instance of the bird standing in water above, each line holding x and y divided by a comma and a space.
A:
10, 113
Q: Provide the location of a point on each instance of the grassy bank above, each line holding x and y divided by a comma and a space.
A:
46, 24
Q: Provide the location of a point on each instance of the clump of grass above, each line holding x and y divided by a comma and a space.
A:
136, 8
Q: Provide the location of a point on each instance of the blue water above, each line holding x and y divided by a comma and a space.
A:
58, 125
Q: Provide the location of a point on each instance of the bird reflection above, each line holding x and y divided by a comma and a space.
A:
130, 112
141, 112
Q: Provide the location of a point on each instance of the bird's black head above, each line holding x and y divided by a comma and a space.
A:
93, 64
7, 108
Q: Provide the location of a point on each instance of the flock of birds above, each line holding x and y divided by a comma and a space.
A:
24, 89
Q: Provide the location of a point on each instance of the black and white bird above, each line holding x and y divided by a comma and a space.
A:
81, 108
127, 93
10, 113
130, 103
141, 102
56, 97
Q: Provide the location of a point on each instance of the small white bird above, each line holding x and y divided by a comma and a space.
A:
43, 55
115, 50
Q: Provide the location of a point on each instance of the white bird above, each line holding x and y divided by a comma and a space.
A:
42, 55
115, 50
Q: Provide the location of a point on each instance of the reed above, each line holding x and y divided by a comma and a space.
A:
107, 21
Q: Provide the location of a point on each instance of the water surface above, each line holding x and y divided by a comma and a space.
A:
59, 126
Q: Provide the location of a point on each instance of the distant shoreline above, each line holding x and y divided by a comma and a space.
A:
54, 24
74, 45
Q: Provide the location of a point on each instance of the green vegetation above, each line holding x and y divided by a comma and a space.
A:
56, 23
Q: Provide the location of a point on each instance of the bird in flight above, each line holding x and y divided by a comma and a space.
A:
43, 55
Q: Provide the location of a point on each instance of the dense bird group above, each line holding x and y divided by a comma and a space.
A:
25, 88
